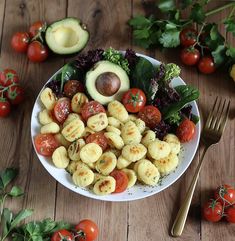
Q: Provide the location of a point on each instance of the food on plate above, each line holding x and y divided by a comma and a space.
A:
66, 36
106, 82
112, 137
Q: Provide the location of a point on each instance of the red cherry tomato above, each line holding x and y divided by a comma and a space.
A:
87, 230
37, 52
206, 65
188, 37
91, 108
5, 107
150, 115
45, 144
134, 100
72, 87
121, 180
36, 28
62, 235
15, 94
212, 211
230, 214
186, 130
8, 77
62, 109
20, 42
99, 139
225, 194
189, 55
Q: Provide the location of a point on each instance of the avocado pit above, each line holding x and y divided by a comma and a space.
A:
107, 83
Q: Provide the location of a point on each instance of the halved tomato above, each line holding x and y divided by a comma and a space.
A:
62, 109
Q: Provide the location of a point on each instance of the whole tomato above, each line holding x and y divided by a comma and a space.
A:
225, 194
72, 87
36, 28
5, 107
87, 230
134, 100
8, 77
62, 235
212, 211
186, 130
230, 214
206, 65
188, 37
189, 55
15, 94
20, 42
37, 52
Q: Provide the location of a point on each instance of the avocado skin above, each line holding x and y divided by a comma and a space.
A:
81, 47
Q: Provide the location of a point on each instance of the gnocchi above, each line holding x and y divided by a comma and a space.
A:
140, 125
78, 101
134, 152
158, 149
122, 162
60, 139
50, 128
106, 164
83, 176
60, 157
44, 117
48, 98
70, 118
132, 178
113, 129
105, 186
114, 140
174, 142
98, 122
74, 149
130, 133
91, 152
117, 110
114, 122
148, 137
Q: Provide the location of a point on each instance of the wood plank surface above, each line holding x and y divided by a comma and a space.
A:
149, 219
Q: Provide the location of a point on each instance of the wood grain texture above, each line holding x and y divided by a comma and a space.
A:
146, 220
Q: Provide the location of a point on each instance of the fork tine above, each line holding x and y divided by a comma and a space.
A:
216, 114
225, 118
209, 119
220, 116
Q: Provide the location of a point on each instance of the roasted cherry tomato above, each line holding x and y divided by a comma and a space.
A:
186, 130
45, 144
230, 214
36, 28
72, 87
62, 235
37, 52
5, 107
98, 138
188, 37
134, 100
15, 94
189, 56
121, 180
206, 65
20, 42
8, 77
62, 109
87, 230
91, 108
225, 194
212, 211
150, 115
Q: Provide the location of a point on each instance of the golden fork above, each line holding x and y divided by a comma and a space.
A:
211, 135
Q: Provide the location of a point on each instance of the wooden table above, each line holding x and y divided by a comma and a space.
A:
149, 219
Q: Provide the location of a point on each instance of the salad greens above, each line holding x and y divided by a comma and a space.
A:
10, 223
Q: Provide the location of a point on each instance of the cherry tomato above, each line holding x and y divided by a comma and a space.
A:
212, 211
87, 230
206, 65
62, 109
8, 77
37, 52
188, 37
36, 28
134, 100
189, 55
15, 94
5, 107
186, 130
91, 108
150, 115
121, 180
230, 214
62, 235
99, 139
225, 194
20, 42
72, 87
45, 144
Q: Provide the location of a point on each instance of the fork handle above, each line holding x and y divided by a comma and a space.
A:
178, 225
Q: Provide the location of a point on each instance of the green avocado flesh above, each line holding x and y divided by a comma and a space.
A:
106, 82
66, 36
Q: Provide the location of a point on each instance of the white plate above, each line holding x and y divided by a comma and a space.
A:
138, 191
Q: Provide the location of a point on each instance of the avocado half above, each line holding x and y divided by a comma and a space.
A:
106, 82
66, 36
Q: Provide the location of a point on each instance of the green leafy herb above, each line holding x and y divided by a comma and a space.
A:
187, 94
16, 191
194, 118
7, 176
197, 13
219, 55
116, 57
166, 5
170, 38
230, 25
